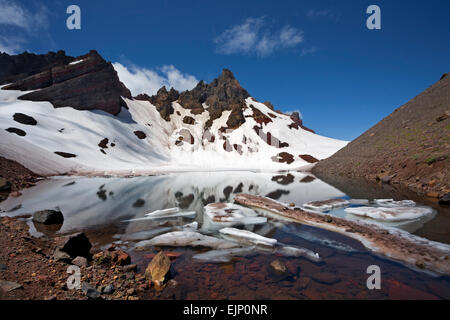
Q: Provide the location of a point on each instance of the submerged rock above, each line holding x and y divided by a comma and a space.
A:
158, 268
278, 270
48, 217
325, 277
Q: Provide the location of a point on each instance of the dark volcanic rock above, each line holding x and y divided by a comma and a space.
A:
141, 135
91, 83
65, 154
188, 120
104, 143
308, 158
17, 131
16, 67
162, 101
298, 122
48, 217
24, 119
75, 245
223, 93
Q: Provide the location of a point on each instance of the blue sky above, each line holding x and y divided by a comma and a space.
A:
314, 56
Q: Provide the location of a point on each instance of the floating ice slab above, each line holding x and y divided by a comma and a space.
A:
223, 255
359, 201
219, 215
162, 212
246, 236
391, 203
289, 251
188, 239
326, 205
391, 214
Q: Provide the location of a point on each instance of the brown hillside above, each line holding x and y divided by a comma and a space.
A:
409, 147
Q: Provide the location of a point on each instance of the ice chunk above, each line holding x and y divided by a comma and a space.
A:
289, 251
223, 255
219, 215
163, 212
326, 205
391, 203
359, 201
193, 226
246, 236
188, 239
391, 214
166, 214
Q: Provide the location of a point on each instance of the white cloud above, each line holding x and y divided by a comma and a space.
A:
142, 80
255, 37
18, 20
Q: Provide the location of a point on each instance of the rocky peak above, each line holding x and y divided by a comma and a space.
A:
16, 67
223, 93
85, 83
162, 100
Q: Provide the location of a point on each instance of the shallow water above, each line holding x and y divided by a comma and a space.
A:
101, 207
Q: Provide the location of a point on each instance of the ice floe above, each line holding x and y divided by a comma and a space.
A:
223, 255
188, 239
391, 213
290, 251
391, 203
169, 213
246, 237
326, 205
219, 215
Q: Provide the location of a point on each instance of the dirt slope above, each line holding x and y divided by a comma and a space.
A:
409, 147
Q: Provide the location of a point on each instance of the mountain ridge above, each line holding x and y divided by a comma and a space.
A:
409, 147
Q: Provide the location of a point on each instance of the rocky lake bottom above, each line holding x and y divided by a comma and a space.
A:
113, 210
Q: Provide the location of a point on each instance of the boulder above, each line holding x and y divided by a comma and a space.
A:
90, 291
109, 289
75, 245
59, 255
278, 270
80, 261
158, 268
48, 217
